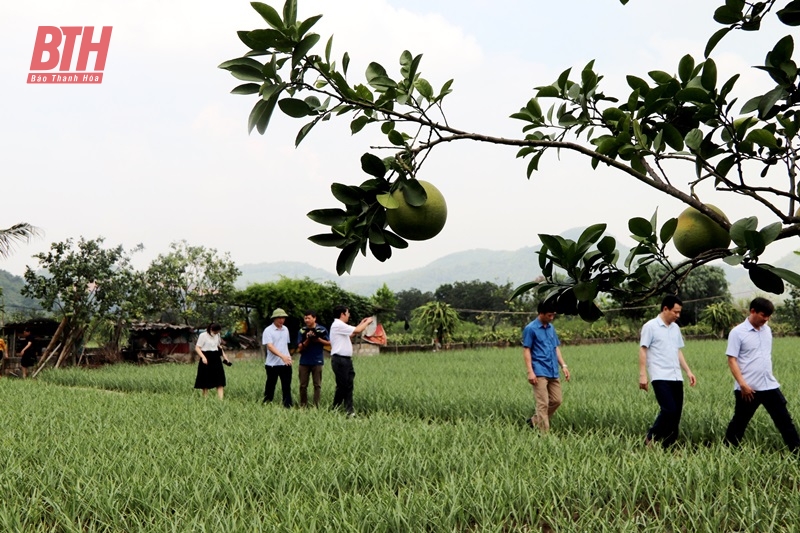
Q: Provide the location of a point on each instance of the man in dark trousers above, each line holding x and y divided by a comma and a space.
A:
661, 356
342, 356
311, 340
750, 361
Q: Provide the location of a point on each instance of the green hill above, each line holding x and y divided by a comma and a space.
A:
12, 298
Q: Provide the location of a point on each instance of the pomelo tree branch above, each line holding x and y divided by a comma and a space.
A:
687, 117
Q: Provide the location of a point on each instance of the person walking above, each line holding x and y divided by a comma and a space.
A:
543, 358
749, 354
28, 352
278, 363
311, 341
342, 357
210, 373
661, 356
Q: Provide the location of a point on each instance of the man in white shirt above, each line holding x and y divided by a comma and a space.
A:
342, 356
279, 361
750, 361
661, 356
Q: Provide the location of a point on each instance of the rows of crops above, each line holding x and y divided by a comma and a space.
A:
439, 446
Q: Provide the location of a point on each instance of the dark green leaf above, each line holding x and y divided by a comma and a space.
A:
395, 241
694, 139
754, 242
739, 227
685, 68
381, 251
373, 165
301, 134
347, 194
303, 48
525, 287
589, 312
246, 73
673, 137
766, 280
307, 25
640, 227
346, 258
769, 100
716, 38
762, 137
586, 291
328, 239
660, 77
269, 14
414, 194
294, 107
771, 232
553, 243
786, 275
396, 138
709, 77
290, 12
693, 94
607, 245
246, 88
668, 230
728, 15
358, 124
790, 15
329, 217
591, 234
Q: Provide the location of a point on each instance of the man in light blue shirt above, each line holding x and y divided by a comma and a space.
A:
661, 356
750, 361
542, 360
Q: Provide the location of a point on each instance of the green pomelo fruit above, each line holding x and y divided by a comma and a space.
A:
696, 233
418, 223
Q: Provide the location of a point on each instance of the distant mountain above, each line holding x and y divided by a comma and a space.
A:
12, 297
485, 265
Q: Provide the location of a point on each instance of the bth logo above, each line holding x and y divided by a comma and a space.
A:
49, 54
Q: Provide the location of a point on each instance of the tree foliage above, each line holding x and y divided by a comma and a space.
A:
295, 296
437, 318
410, 299
665, 121
384, 303
191, 284
84, 282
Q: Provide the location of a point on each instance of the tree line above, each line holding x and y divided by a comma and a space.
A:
95, 293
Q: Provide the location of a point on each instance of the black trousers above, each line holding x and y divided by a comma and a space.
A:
669, 395
274, 373
343, 371
775, 404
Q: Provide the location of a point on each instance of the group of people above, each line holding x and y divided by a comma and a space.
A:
312, 339
749, 355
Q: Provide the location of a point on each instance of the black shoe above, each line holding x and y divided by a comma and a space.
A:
530, 423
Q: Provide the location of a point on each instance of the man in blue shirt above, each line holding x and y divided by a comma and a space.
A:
311, 339
749, 354
661, 356
542, 361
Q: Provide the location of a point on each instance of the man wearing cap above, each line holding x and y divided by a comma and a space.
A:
342, 356
279, 362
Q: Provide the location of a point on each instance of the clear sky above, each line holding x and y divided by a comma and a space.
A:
159, 152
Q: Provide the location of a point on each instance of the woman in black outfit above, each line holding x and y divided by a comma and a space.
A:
210, 373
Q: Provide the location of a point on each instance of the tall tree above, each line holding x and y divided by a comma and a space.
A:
81, 282
192, 284
384, 304
648, 134
410, 299
472, 298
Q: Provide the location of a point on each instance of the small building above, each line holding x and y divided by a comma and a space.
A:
154, 340
42, 331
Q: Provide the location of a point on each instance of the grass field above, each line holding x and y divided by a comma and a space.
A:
440, 445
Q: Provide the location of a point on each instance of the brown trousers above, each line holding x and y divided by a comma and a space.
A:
547, 392
316, 374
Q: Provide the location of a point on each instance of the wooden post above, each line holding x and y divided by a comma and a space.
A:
51, 346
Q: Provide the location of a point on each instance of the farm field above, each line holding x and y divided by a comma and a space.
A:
440, 444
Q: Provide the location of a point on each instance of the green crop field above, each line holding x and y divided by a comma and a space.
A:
440, 445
